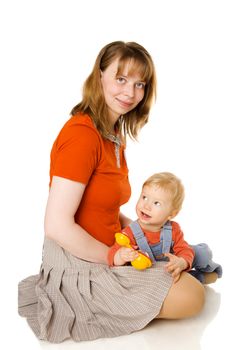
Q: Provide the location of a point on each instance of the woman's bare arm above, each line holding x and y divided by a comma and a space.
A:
59, 225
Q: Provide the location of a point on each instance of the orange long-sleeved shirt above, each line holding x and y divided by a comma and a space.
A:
180, 247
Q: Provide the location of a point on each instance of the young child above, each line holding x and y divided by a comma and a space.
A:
161, 238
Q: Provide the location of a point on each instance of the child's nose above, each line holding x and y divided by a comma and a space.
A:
147, 206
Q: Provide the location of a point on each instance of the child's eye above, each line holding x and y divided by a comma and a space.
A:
157, 204
144, 198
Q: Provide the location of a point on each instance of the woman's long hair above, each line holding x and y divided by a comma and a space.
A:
93, 102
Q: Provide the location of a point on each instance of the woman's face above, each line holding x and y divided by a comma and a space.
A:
122, 92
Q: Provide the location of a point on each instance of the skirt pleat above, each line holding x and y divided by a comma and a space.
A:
73, 298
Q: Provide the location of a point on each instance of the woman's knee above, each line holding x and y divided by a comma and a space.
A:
185, 298
196, 298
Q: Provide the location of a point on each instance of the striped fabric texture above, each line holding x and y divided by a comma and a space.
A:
74, 299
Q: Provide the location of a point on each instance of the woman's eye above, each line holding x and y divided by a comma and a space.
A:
121, 80
140, 85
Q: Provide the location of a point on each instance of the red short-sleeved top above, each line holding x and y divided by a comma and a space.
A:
81, 154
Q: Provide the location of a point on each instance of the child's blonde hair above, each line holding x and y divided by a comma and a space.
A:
172, 184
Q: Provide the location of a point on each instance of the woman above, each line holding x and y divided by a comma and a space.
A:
77, 295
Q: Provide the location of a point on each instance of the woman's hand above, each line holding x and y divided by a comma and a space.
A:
124, 255
175, 265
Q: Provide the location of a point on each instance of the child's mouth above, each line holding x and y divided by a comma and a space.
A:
145, 216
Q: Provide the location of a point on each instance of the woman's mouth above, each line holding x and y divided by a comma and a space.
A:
125, 104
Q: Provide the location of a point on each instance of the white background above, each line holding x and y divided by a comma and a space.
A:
196, 130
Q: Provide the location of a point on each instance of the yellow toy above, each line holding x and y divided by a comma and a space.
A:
142, 262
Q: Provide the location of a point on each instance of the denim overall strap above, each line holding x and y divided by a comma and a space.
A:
166, 237
141, 240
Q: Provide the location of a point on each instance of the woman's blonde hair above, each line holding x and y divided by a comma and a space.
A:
172, 184
93, 102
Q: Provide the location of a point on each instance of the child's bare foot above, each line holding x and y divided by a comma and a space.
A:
210, 277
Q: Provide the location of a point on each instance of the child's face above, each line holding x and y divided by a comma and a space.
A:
154, 207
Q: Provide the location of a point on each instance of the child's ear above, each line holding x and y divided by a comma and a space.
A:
173, 214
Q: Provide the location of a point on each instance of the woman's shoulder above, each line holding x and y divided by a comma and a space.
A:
77, 150
79, 126
79, 121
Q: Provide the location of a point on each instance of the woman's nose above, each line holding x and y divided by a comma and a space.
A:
129, 90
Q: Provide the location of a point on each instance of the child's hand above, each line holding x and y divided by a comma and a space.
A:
175, 265
124, 255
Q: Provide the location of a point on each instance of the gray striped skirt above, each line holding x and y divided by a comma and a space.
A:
73, 298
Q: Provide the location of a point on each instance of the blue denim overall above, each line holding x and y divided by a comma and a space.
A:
202, 259
155, 251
